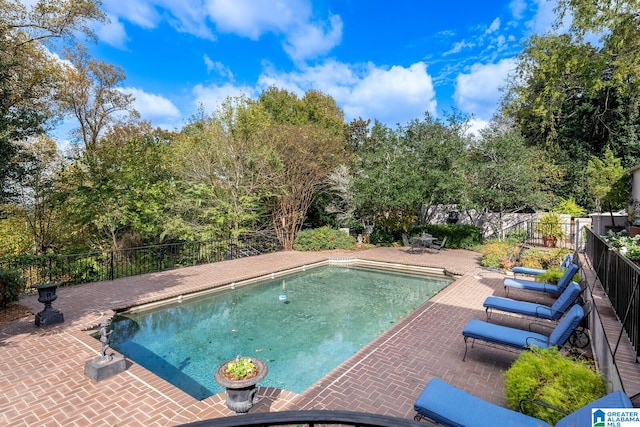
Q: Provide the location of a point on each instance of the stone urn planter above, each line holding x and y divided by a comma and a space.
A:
47, 293
241, 392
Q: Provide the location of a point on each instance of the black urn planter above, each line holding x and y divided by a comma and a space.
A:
47, 293
241, 394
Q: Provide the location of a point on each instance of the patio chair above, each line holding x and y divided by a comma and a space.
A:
531, 285
413, 247
521, 338
450, 406
540, 311
537, 271
438, 244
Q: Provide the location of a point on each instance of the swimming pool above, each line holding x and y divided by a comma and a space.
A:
302, 325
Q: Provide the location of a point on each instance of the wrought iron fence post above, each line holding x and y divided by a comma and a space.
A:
110, 265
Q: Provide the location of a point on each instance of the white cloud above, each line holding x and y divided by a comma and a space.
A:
112, 32
139, 12
155, 108
478, 92
495, 26
311, 40
544, 17
211, 97
252, 18
459, 46
390, 95
217, 67
475, 126
291, 20
517, 8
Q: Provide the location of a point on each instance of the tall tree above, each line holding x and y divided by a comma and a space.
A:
28, 73
91, 94
608, 183
306, 155
503, 175
301, 127
400, 170
119, 194
36, 199
224, 168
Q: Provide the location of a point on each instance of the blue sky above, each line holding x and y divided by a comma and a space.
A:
384, 60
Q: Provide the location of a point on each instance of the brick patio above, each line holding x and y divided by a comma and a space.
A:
42, 379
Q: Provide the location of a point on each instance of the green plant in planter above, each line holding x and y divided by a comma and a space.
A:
240, 369
633, 252
550, 228
545, 375
553, 275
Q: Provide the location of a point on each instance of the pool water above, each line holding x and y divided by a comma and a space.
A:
302, 325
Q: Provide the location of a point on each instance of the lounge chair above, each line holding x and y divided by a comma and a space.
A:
531, 285
537, 271
521, 338
451, 406
553, 312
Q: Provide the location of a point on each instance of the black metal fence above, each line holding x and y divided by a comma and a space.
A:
532, 233
620, 278
310, 418
109, 265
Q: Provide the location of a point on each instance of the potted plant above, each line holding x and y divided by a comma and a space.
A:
551, 229
239, 377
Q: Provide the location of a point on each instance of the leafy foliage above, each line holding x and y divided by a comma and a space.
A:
498, 254
550, 226
11, 285
459, 236
503, 174
536, 258
547, 376
323, 238
241, 368
570, 207
28, 76
399, 170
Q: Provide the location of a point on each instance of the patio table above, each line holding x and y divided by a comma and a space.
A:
423, 241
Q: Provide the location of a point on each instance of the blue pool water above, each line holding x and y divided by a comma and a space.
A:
302, 325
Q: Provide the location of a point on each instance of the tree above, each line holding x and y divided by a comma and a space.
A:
91, 94
503, 175
37, 193
306, 155
121, 192
575, 98
28, 74
608, 183
400, 170
225, 170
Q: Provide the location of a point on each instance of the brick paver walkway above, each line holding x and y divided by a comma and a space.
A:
42, 379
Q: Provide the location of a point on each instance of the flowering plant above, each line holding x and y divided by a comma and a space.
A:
241, 368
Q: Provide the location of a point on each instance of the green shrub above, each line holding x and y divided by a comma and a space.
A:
11, 285
517, 236
547, 376
570, 207
553, 276
459, 236
382, 237
323, 238
498, 254
536, 258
